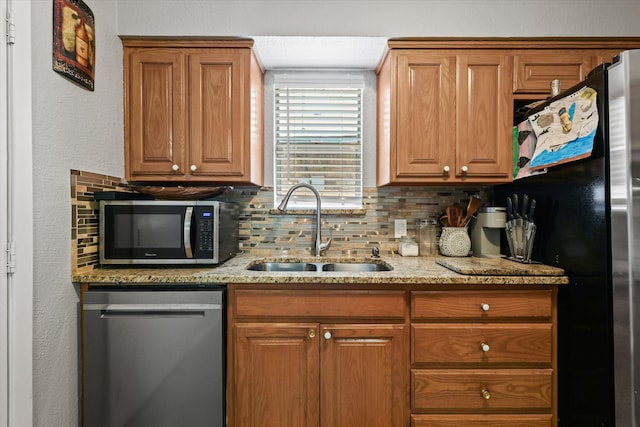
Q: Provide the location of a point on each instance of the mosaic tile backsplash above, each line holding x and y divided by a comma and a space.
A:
266, 232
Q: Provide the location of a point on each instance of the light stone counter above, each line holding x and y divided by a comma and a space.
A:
406, 270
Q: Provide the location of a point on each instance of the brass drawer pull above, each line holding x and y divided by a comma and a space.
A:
311, 333
485, 394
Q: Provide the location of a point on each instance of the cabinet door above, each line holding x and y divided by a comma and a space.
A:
425, 115
217, 112
156, 125
484, 116
364, 372
276, 375
534, 69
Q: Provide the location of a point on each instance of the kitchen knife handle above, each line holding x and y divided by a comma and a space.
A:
532, 209
525, 206
516, 212
509, 208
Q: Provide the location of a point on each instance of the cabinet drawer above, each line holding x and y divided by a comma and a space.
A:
479, 344
542, 420
482, 305
482, 390
309, 303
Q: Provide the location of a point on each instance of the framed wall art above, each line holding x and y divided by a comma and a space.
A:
74, 42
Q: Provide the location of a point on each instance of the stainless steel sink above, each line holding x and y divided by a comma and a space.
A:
356, 267
353, 267
282, 266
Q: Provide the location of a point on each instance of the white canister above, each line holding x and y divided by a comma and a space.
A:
408, 246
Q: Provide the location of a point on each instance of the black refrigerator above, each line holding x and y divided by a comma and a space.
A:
587, 218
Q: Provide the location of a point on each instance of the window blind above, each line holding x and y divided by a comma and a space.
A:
318, 140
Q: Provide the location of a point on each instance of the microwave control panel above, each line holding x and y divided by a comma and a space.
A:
205, 229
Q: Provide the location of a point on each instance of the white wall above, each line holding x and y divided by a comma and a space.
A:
73, 128
392, 18
77, 129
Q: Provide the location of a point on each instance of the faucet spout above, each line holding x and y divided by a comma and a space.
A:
319, 246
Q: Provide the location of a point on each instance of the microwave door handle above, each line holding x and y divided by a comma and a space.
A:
186, 232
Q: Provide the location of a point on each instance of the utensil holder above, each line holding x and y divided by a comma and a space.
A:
455, 241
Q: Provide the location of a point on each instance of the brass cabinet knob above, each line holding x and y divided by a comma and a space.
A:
485, 347
175, 168
311, 333
327, 335
485, 307
485, 394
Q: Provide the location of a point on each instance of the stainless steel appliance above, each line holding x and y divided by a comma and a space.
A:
588, 219
167, 232
153, 358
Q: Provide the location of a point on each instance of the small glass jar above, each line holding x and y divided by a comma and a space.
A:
428, 236
556, 87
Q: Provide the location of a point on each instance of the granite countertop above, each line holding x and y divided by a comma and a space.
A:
406, 270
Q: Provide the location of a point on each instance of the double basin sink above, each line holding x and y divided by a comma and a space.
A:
351, 267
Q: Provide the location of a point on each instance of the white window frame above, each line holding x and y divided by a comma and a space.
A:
319, 79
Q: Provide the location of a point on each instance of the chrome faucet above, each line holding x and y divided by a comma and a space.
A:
319, 246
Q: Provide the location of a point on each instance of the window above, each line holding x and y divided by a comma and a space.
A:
318, 138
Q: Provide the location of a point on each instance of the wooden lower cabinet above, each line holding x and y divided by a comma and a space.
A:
331, 372
481, 421
483, 358
486, 390
479, 356
276, 380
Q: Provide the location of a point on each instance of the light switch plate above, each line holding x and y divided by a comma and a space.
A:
400, 227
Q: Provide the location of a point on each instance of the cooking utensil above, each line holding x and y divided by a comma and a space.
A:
472, 208
454, 213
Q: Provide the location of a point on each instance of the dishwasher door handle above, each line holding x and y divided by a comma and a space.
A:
151, 310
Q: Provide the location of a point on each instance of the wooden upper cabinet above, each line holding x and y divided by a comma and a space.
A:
535, 69
216, 107
445, 105
423, 115
193, 111
444, 116
602, 56
484, 117
156, 123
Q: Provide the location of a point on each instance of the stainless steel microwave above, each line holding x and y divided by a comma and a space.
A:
167, 232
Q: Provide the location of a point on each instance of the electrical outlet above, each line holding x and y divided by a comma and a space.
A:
400, 226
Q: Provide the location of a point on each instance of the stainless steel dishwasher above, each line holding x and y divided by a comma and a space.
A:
153, 358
